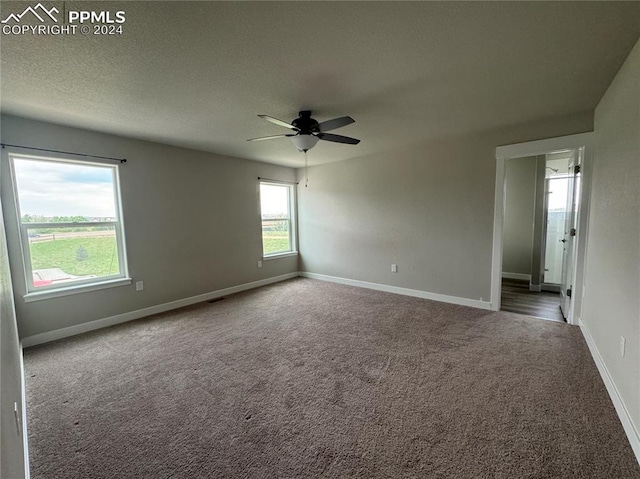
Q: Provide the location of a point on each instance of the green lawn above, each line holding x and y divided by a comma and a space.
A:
78, 256
275, 244
100, 257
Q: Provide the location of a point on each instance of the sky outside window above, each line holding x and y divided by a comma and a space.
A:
49, 189
274, 200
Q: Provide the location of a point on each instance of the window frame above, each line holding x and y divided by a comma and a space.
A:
34, 293
293, 218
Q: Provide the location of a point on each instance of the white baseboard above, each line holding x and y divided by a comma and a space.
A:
141, 313
522, 276
475, 303
25, 435
161, 308
623, 413
629, 427
535, 288
550, 288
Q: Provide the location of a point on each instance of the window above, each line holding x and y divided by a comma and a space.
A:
70, 223
277, 206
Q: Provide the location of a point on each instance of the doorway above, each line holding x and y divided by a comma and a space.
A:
559, 222
536, 233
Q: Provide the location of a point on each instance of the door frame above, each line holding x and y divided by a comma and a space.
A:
533, 148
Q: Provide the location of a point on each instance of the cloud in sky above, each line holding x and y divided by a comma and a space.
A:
50, 188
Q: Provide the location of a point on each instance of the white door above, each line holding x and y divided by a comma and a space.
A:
569, 237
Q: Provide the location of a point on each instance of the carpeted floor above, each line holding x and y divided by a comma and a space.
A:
312, 379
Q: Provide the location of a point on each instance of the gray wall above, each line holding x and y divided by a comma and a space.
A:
427, 207
517, 241
191, 221
612, 300
11, 445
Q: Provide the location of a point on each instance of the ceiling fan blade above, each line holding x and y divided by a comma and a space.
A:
278, 122
338, 138
270, 137
333, 124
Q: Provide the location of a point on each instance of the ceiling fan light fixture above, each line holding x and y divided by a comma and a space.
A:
304, 142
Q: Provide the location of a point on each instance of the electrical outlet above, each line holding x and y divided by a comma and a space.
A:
259, 264
394, 268
623, 343
139, 286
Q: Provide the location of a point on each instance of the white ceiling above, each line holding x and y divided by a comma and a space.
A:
196, 74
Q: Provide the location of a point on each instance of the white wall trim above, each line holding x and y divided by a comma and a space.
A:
498, 230
541, 147
550, 287
161, 308
629, 427
522, 276
474, 303
623, 413
25, 435
141, 313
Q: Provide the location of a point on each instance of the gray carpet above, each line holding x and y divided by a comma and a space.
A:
312, 379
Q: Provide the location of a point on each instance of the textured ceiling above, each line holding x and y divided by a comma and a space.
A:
196, 74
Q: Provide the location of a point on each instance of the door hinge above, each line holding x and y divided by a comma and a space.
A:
569, 293
572, 232
576, 169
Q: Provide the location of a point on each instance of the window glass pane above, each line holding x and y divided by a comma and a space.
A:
71, 231
63, 255
52, 191
276, 236
275, 203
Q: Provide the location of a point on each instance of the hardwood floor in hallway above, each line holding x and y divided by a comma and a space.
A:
516, 298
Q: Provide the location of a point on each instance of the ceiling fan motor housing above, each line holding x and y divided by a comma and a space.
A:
304, 123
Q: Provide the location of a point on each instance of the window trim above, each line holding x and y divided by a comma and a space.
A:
76, 289
80, 286
293, 219
287, 254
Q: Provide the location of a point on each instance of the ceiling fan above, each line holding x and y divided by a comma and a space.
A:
308, 131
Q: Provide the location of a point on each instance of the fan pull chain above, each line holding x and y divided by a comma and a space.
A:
306, 170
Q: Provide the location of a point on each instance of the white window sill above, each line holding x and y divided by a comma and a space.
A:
82, 288
288, 254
